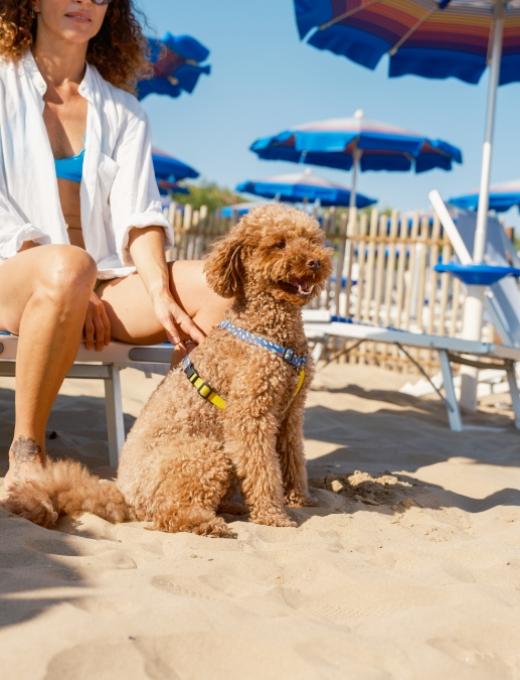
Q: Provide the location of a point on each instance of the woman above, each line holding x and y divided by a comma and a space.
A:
82, 236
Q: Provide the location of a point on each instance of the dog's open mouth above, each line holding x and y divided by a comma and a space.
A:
297, 286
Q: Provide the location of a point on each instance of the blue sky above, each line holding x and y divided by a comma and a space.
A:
264, 80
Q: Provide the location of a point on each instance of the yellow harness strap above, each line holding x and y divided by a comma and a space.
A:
208, 393
299, 383
202, 387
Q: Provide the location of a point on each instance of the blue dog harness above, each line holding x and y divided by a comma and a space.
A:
286, 353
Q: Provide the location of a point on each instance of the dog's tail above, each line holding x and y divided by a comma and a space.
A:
65, 487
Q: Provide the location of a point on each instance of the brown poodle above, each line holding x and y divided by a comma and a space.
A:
232, 413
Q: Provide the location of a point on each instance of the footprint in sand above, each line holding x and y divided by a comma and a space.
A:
459, 573
99, 605
89, 526
482, 664
52, 546
123, 659
115, 559
174, 585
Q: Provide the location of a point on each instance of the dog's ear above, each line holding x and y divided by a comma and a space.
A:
223, 267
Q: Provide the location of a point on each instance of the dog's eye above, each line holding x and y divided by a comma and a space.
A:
280, 244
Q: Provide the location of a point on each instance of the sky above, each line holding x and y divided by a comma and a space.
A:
265, 80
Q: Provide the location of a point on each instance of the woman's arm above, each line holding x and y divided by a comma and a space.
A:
146, 247
26, 245
16, 233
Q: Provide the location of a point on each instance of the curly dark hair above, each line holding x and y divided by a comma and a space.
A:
118, 51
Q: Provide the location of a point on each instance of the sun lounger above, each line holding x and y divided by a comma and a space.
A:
105, 365
503, 303
502, 299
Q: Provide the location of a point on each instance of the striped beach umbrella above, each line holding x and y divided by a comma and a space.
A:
502, 197
177, 63
303, 187
429, 38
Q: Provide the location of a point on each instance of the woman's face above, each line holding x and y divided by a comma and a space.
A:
75, 21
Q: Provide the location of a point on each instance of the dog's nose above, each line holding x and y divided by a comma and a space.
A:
314, 264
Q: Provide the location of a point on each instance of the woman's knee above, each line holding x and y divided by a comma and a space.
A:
68, 270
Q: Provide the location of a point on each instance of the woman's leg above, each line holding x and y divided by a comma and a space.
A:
44, 293
130, 310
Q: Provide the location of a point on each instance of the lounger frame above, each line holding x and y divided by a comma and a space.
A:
450, 350
105, 365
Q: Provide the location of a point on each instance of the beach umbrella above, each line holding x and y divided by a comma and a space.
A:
177, 63
240, 209
303, 187
357, 144
167, 187
167, 167
502, 197
430, 38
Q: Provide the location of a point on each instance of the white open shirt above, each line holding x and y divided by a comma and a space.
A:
118, 188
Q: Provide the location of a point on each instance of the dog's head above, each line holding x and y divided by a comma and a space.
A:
273, 249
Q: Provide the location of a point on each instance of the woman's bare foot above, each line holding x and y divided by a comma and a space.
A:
25, 457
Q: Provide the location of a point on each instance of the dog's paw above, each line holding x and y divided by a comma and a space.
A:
216, 528
273, 519
295, 499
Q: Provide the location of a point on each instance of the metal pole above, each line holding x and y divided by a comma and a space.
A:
352, 224
487, 150
347, 245
474, 304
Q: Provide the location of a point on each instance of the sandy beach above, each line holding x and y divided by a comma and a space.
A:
408, 567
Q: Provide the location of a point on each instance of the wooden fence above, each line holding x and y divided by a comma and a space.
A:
387, 276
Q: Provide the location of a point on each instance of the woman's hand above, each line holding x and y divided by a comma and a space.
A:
146, 246
96, 329
180, 328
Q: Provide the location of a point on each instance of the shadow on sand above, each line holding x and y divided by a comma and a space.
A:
35, 561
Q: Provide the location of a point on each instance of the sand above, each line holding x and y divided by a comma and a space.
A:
408, 567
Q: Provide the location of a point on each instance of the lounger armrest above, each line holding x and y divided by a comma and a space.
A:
448, 224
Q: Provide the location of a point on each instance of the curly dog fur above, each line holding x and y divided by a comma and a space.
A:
183, 456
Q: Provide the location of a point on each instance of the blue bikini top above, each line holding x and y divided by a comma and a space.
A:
70, 168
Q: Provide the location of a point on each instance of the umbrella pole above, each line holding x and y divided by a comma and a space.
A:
474, 305
487, 151
347, 245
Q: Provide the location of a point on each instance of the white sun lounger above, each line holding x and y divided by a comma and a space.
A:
502, 299
450, 350
104, 365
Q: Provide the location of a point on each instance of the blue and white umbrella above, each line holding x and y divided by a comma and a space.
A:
167, 167
240, 209
358, 144
303, 187
177, 65
167, 187
340, 142
502, 197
